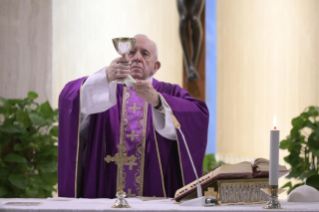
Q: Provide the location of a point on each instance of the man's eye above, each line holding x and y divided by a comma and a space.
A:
131, 53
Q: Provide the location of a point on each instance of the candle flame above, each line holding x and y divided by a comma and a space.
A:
275, 121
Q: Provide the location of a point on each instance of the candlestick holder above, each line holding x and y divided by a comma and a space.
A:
273, 191
121, 202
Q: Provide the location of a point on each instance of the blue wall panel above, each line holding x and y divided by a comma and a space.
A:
211, 72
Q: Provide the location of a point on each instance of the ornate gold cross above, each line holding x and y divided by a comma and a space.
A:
134, 108
120, 159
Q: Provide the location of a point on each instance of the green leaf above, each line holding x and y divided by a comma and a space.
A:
55, 132
14, 158
17, 147
37, 120
313, 141
4, 101
12, 128
18, 180
308, 173
3, 192
56, 115
32, 95
284, 144
46, 110
297, 122
48, 167
287, 185
50, 178
313, 181
4, 173
5, 140
294, 132
316, 153
46, 187
295, 186
294, 174
209, 161
48, 151
31, 192
312, 111
22, 118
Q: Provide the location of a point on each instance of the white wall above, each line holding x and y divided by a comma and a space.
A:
25, 48
267, 63
83, 32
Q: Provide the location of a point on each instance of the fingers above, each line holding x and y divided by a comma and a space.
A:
120, 59
117, 71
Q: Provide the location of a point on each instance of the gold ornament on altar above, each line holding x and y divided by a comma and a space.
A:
120, 160
211, 192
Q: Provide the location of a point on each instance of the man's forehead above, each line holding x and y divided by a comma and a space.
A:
144, 42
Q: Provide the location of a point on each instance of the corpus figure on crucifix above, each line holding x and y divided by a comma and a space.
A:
190, 32
132, 125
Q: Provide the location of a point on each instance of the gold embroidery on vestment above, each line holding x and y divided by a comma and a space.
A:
159, 161
78, 144
178, 146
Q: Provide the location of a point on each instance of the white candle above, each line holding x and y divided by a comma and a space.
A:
274, 155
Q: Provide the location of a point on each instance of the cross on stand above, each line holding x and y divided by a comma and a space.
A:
120, 159
134, 108
211, 192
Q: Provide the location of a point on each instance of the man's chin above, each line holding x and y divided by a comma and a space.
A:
137, 76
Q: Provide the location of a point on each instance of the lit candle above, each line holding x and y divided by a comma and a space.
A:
274, 155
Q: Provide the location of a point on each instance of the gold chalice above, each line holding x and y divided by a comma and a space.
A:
124, 46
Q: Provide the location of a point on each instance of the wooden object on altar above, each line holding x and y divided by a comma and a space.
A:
235, 191
253, 173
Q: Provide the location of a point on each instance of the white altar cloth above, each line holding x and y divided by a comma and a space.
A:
72, 205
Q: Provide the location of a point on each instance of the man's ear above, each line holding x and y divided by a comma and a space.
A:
157, 66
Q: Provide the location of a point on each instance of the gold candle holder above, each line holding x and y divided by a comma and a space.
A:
273, 191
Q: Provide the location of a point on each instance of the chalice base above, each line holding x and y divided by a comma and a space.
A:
121, 202
128, 80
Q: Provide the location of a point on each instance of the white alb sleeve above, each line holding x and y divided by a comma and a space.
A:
163, 121
97, 95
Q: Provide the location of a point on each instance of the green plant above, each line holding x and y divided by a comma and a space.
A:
28, 148
303, 148
210, 163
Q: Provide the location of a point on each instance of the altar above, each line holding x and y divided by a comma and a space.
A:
72, 204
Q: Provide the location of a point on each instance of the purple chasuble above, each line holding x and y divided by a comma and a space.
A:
162, 165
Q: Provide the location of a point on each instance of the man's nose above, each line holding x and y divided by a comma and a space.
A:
137, 57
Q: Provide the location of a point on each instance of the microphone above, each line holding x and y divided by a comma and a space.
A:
200, 200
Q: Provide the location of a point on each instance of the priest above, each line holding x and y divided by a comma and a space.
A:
114, 136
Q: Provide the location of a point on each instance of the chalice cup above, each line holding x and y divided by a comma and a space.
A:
124, 47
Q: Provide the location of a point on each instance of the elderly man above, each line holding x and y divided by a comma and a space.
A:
132, 126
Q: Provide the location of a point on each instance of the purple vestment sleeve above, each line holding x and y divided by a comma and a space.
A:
69, 111
192, 115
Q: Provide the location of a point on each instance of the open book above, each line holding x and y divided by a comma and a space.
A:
243, 170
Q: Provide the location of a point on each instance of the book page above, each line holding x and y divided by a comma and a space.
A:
262, 164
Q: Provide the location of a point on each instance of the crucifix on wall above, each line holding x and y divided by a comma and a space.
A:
191, 34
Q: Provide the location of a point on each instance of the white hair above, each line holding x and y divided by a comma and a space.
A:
155, 46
